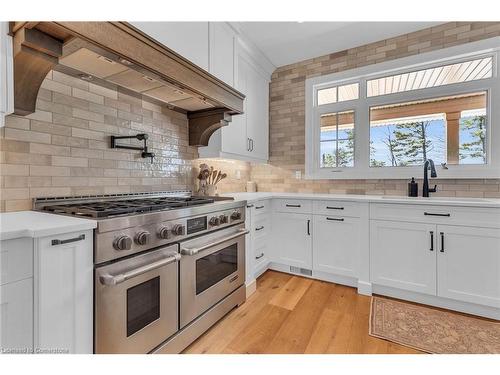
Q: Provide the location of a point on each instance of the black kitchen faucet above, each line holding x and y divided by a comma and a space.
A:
429, 164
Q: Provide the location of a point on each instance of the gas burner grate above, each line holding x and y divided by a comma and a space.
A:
104, 209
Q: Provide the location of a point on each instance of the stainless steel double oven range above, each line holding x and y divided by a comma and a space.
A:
167, 266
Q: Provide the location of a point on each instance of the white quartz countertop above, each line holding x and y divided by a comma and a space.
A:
39, 224
438, 201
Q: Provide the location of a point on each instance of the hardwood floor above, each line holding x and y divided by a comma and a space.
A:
292, 314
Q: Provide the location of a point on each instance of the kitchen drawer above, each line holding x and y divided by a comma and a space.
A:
338, 208
260, 253
261, 227
16, 260
260, 208
433, 214
296, 206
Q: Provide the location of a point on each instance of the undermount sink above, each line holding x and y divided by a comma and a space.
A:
442, 199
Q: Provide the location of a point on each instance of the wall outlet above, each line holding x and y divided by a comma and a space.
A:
238, 174
298, 175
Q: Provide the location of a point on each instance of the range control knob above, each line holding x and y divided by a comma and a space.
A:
236, 215
164, 233
223, 219
214, 221
142, 238
178, 229
122, 242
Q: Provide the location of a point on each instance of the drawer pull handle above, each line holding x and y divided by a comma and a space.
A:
442, 241
432, 240
334, 208
335, 218
258, 207
293, 205
62, 242
259, 256
249, 205
432, 214
259, 228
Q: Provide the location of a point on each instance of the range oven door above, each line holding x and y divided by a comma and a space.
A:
211, 267
136, 302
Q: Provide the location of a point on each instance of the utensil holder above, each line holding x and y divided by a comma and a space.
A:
211, 190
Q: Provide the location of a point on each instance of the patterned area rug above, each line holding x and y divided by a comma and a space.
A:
432, 330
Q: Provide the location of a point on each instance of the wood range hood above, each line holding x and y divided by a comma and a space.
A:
117, 54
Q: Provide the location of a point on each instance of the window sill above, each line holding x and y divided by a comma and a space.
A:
392, 173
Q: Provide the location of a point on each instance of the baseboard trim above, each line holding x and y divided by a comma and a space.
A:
250, 288
445, 303
364, 288
325, 276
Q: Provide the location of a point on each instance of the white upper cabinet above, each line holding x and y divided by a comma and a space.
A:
221, 51
247, 136
6, 73
188, 39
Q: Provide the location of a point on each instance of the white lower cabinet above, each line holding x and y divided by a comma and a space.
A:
428, 254
64, 293
336, 245
258, 222
16, 317
292, 239
468, 264
455, 262
16, 295
403, 255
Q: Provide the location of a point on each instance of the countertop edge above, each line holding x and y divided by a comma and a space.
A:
30, 229
250, 198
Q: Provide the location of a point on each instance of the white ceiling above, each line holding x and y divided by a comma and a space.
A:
288, 42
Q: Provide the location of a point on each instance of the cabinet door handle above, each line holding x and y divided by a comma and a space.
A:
308, 227
334, 208
248, 144
258, 207
259, 228
432, 214
293, 205
335, 218
259, 256
432, 240
251, 140
249, 205
62, 242
442, 241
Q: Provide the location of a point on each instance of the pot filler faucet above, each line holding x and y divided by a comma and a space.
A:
429, 164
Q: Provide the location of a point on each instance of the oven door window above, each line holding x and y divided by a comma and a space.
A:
143, 305
214, 267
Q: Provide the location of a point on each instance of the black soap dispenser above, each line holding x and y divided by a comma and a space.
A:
412, 188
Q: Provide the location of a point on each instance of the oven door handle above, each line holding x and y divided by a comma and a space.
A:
108, 279
196, 250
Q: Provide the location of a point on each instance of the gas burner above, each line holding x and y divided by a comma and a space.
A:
111, 208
